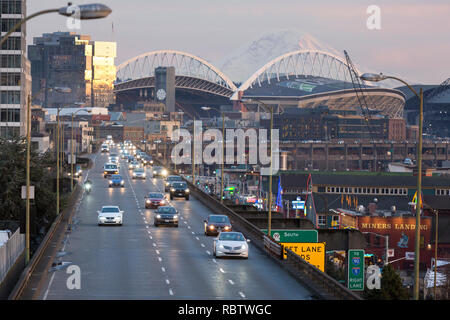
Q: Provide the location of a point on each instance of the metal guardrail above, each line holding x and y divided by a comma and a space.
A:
10, 251
29, 269
274, 248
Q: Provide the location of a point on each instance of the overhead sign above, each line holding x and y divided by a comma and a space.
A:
293, 235
355, 270
313, 253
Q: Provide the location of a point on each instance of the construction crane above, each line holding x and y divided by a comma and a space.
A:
359, 87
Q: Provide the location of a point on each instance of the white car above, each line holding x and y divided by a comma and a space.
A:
231, 244
110, 215
139, 173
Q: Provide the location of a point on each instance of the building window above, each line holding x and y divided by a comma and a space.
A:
321, 220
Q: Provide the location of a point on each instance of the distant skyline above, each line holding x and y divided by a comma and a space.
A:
413, 41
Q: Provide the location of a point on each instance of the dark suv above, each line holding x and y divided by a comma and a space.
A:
170, 180
179, 189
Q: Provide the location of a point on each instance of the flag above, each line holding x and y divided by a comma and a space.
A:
310, 209
279, 194
415, 200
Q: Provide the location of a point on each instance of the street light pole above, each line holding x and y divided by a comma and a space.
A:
380, 77
27, 217
57, 163
223, 158
71, 148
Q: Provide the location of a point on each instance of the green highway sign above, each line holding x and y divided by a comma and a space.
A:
355, 270
294, 235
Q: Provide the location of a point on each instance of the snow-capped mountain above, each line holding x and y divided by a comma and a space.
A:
246, 60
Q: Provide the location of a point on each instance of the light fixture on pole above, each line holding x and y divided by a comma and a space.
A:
82, 12
379, 77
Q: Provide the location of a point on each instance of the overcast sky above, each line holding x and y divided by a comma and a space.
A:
414, 40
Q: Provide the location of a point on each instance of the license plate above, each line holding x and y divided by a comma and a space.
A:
167, 220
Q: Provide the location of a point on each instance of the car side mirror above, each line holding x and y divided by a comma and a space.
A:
98, 211
248, 240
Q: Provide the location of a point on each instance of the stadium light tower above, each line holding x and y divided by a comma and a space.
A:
380, 77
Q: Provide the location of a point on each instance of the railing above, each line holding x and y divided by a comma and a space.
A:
10, 251
272, 247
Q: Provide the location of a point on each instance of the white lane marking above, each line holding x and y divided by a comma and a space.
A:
185, 222
193, 232
146, 227
230, 281
242, 294
221, 270
214, 260
167, 281
150, 237
171, 292
157, 251
48, 289
163, 270
207, 251
160, 259
189, 227
149, 231
202, 245
197, 238
154, 244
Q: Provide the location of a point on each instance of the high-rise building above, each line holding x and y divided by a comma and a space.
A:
15, 80
67, 59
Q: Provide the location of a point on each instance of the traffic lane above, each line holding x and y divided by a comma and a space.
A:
229, 272
189, 274
251, 274
116, 262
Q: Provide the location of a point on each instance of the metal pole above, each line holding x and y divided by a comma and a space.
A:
27, 218
223, 158
387, 248
57, 165
435, 252
71, 157
269, 223
419, 201
193, 153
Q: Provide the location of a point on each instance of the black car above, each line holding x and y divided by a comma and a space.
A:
216, 224
159, 172
179, 189
169, 181
166, 215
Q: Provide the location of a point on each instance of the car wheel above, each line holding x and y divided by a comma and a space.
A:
171, 197
156, 225
187, 198
176, 226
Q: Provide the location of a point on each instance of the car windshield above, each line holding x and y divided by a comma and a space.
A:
113, 155
139, 170
231, 236
179, 185
167, 210
157, 168
219, 219
110, 209
156, 195
174, 178
110, 166
117, 177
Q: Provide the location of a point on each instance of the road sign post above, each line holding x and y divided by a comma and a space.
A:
355, 270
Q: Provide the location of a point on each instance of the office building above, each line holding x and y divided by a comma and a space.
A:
67, 59
15, 78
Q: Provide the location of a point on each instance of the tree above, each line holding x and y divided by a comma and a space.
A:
391, 287
13, 177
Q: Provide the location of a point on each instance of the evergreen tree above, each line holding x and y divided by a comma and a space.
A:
391, 287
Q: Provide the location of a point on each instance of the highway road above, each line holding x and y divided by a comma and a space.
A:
141, 261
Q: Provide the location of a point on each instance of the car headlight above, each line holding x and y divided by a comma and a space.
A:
226, 228
211, 227
187, 190
163, 201
164, 172
172, 189
147, 201
167, 183
122, 182
154, 172
110, 181
143, 175
158, 216
134, 174
175, 216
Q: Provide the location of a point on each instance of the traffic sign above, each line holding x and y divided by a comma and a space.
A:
293, 235
313, 253
356, 270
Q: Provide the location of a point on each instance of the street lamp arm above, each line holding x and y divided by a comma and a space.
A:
20, 23
405, 83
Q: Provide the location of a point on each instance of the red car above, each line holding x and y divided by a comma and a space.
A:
154, 200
